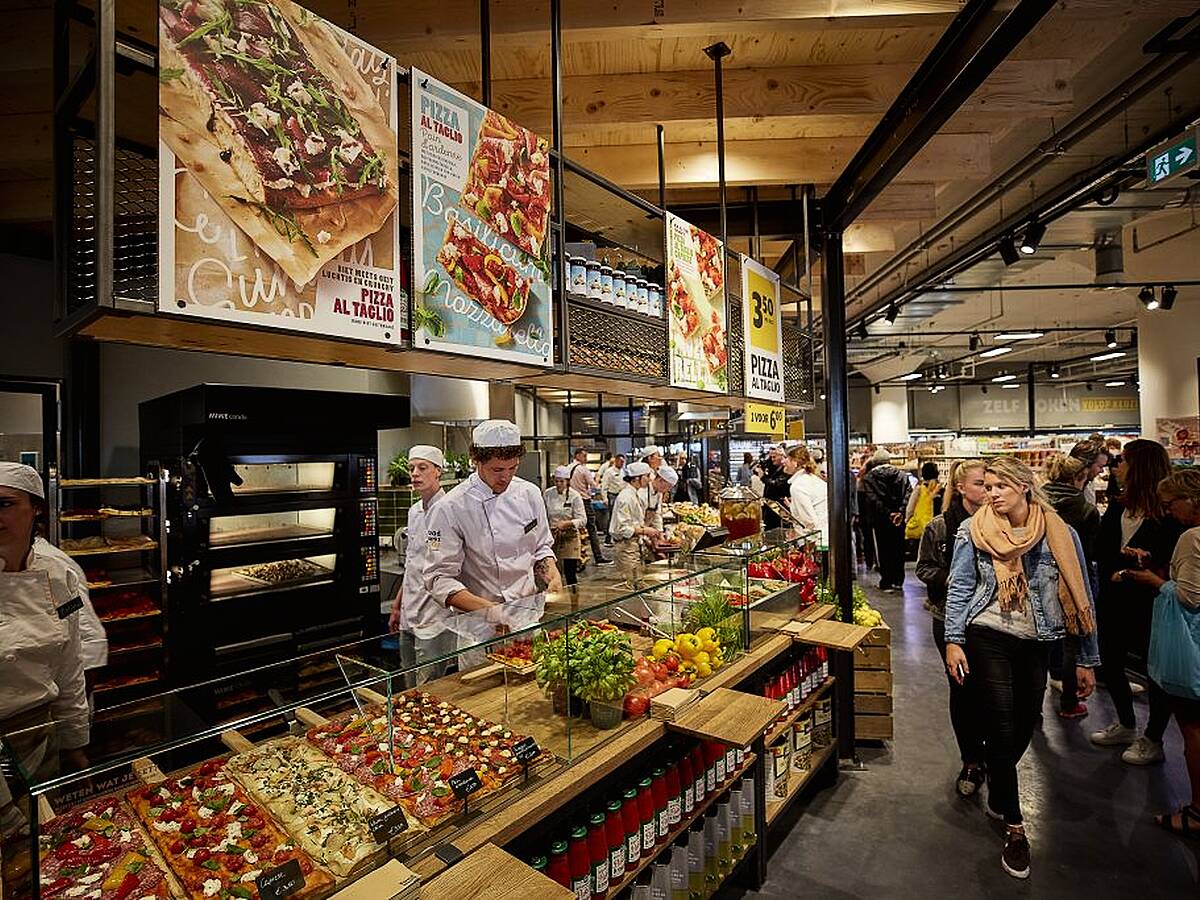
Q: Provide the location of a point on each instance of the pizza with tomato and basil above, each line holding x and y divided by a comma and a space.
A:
483, 275
215, 838
97, 852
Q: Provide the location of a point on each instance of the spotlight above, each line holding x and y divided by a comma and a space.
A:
892, 314
1146, 295
1168, 296
974, 342
1088, 386
1110, 338
877, 389
1008, 250
861, 331
984, 388
1034, 232
1055, 371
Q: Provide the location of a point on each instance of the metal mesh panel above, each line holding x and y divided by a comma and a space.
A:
607, 342
81, 243
135, 226
798, 385
735, 342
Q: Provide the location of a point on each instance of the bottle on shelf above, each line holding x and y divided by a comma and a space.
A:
699, 771
614, 831
674, 795
749, 835
679, 868
660, 880
688, 781
648, 818
598, 856
695, 860
735, 821
662, 809
559, 867
579, 859
641, 887
539, 864
712, 856
631, 820
724, 842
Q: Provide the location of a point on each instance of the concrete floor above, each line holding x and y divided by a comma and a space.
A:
898, 829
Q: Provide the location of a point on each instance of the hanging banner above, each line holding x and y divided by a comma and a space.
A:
481, 202
696, 307
277, 171
763, 418
764, 331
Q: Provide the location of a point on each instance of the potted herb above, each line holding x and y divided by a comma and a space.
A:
398, 473
554, 676
605, 671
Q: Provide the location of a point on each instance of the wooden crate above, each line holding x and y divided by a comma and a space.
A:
879, 658
872, 681
873, 728
880, 636
872, 705
873, 687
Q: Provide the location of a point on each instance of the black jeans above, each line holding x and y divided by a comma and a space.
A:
965, 711
1062, 666
889, 545
1125, 629
593, 534
1011, 681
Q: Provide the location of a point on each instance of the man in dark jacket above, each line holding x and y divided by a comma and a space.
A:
885, 491
775, 486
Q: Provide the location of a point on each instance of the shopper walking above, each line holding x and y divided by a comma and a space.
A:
746, 470
775, 486
885, 490
1094, 455
967, 492
1135, 533
584, 483
1064, 489
1180, 493
808, 495
566, 514
1016, 583
923, 503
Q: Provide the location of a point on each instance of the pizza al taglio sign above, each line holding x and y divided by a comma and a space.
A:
764, 418
762, 325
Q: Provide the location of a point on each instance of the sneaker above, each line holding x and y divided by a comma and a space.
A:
1143, 752
1055, 684
969, 781
1114, 735
1078, 712
605, 562
1136, 687
1015, 858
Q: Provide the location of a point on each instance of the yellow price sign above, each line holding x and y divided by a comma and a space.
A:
763, 300
762, 323
764, 418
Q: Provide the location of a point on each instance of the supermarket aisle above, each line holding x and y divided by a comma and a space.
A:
899, 828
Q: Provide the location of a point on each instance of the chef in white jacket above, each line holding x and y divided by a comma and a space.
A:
490, 551
629, 525
43, 700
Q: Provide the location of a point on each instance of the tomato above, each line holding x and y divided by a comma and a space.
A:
234, 862
169, 815
258, 840
672, 663
188, 824
636, 706
306, 865
282, 856
660, 671
201, 856
178, 847
254, 822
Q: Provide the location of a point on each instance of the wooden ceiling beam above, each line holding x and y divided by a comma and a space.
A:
798, 161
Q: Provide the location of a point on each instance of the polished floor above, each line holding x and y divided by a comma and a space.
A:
897, 828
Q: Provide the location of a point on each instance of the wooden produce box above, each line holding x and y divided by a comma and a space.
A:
873, 687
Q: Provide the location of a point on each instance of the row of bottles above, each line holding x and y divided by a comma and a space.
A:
638, 824
798, 681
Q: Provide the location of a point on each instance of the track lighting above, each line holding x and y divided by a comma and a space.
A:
892, 314
1034, 232
974, 342
1168, 296
861, 331
1146, 295
1110, 338
1008, 250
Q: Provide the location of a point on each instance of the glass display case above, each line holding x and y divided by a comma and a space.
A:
329, 763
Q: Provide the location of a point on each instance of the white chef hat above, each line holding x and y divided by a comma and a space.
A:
667, 474
496, 433
429, 454
647, 452
23, 478
562, 472
636, 469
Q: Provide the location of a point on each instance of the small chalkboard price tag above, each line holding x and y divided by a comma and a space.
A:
464, 784
526, 750
387, 825
280, 882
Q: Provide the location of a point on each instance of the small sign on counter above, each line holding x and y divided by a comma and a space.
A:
280, 882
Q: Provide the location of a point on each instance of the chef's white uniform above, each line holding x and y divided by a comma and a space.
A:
422, 617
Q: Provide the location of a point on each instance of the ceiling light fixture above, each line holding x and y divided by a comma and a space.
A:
1019, 335
974, 342
1008, 250
911, 376
1055, 371
892, 313
1034, 232
1010, 387
1110, 338
1114, 383
1146, 295
1008, 376
995, 351
1101, 357
1168, 296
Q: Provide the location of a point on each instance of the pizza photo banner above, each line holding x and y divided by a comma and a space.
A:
763, 327
278, 169
696, 308
481, 210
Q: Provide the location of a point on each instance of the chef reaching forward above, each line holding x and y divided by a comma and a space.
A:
489, 542
631, 515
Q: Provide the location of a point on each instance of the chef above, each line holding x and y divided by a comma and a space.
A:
565, 511
629, 523
662, 484
490, 551
652, 456
426, 638
43, 700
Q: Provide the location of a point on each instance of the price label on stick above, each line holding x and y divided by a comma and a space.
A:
280, 882
526, 750
464, 784
387, 825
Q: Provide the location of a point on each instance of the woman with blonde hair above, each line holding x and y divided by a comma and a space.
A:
807, 492
1017, 583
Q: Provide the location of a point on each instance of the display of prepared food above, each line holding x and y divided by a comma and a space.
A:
433, 741
516, 654
125, 605
284, 571
326, 810
97, 851
215, 838
696, 514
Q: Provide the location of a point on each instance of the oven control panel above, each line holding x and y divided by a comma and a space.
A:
367, 480
367, 519
370, 564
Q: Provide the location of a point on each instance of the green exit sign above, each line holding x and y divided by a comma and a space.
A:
1170, 159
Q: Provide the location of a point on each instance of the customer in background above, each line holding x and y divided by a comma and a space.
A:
1094, 456
611, 484
1135, 533
566, 515
1017, 583
923, 503
746, 470
863, 520
967, 492
885, 490
807, 492
1064, 489
775, 486
1180, 494
584, 483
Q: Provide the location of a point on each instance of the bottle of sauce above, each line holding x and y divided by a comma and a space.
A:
698, 772
695, 851
658, 790
712, 752
631, 821
724, 844
712, 857
688, 781
646, 814
674, 796
614, 831
598, 856
538, 864
581, 864
558, 867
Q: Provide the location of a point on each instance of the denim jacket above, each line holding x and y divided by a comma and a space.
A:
972, 586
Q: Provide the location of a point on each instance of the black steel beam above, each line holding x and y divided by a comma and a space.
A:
717, 52
485, 51
969, 51
559, 253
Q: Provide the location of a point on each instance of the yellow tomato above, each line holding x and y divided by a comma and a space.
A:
701, 659
662, 647
703, 670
